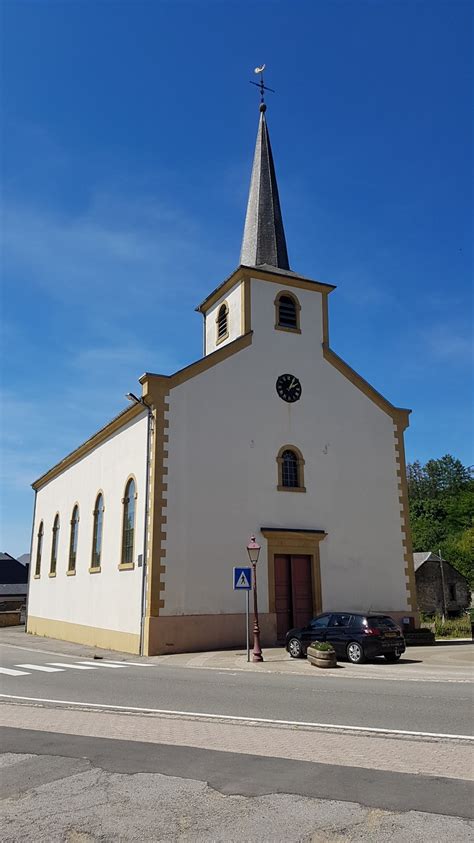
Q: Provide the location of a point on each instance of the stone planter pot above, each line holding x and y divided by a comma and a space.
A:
322, 658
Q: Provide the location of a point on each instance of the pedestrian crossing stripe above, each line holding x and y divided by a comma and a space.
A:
10, 672
26, 669
42, 668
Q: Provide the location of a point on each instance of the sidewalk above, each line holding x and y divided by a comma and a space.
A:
447, 661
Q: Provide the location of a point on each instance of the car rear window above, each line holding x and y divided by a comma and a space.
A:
381, 621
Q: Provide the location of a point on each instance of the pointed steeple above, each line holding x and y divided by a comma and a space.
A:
264, 236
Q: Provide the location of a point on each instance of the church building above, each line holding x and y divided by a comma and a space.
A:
270, 433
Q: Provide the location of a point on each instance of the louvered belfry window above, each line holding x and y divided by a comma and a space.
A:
222, 322
289, 469
287, 315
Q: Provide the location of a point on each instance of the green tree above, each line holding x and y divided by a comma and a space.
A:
441, 496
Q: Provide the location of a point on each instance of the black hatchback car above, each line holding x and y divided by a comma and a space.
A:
354, 636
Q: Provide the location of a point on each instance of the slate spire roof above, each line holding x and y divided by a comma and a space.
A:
264, 236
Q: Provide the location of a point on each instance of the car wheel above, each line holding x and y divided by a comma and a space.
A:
355, 653
294, 648
391, 657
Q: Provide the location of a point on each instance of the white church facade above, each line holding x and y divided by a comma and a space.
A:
270, 433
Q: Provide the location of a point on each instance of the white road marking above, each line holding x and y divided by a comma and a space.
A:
237, 718
101, 664
329, 674
125, 664
74, 666
42, 668
10, 672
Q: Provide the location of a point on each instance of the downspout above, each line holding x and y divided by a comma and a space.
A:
198, 310
145, 530
30, 566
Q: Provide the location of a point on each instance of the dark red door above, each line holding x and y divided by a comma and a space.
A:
283, 595
293, 593
302, 590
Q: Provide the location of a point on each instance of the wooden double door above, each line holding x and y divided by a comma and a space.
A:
293, 592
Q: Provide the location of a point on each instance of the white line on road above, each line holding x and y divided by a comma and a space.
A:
10, 672
167, 712
126, 664
101, 664
42, 668
74, 666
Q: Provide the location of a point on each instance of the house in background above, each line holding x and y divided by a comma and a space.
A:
432, 575
24, 559
13, 589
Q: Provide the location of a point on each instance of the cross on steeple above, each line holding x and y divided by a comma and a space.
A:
261, 86
264, 241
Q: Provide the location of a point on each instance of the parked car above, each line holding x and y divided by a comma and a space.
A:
354, 636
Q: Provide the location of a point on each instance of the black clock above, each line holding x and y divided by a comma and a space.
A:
288, 388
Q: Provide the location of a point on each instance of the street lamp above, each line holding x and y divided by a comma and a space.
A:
253, 550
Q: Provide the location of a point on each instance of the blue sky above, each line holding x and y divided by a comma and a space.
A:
128, 134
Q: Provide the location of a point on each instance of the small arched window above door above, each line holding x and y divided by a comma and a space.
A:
290, 469
287, 312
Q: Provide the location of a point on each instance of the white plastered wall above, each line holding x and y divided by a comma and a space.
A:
109, 599
226, 428
233, 299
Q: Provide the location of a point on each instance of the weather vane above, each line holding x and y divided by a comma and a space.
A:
259, 72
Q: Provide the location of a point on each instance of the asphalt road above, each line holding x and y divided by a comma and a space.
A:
231, 774
439, 707
56, 788
70, 773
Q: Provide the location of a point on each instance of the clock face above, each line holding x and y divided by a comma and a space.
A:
288, 388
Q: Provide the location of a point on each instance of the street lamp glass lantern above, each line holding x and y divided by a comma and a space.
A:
253, 550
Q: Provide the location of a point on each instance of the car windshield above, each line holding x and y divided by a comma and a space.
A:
322, 621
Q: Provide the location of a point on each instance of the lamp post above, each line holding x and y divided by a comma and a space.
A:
253, 550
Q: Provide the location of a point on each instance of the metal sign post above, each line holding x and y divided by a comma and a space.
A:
243, 582
247, 598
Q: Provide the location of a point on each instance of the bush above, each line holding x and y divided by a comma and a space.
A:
452, 627
323, 646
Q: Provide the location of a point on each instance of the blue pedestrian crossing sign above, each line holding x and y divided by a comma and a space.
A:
242, 579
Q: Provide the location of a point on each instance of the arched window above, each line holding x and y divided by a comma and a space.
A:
222, 322
128, 528
54, 547
39, 550
97, 532
287, 312
71, 568
290, 469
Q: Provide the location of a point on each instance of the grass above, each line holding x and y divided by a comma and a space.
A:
450, 628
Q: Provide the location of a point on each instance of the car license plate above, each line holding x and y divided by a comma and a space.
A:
390, 635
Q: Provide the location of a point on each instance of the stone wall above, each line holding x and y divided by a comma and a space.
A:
10, 618
430, 590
